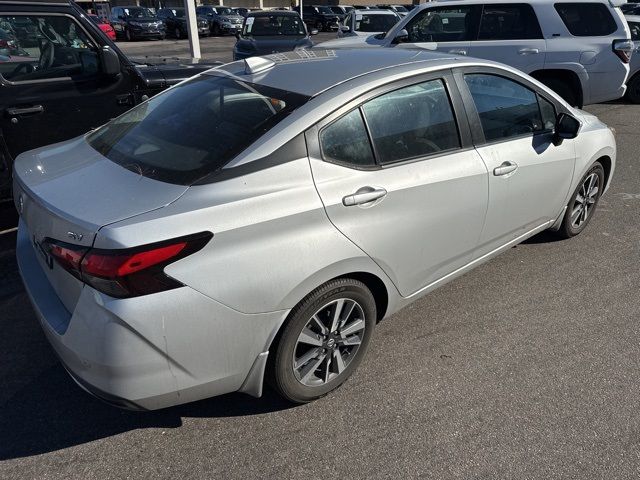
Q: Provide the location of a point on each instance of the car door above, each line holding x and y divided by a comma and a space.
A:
510, 33
446, 29
528, 175
55, 90
398, 177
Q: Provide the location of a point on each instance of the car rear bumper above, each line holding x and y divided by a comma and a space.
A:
153, 351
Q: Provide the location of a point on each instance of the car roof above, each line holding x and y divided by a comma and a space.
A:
532, 2
323, 69
380, 11
632, 18
268, 13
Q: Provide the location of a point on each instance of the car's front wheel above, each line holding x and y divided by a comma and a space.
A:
324, 340
633, 89
583, 202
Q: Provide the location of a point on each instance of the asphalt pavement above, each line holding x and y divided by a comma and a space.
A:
525, 368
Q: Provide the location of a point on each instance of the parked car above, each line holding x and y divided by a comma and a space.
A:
630, 8
633, 84
270, 32
77, 80
173, 280
221, 19
401, 10
25, 32
320, 17
580, 49
368, 22
340, 9
134, 23
104, 25
175, 21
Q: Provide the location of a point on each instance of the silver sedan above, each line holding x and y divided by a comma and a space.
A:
256, 221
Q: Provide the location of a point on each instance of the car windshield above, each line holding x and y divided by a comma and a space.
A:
375, 23
400, 8
273, 25
336, 10
193, 129
225, 11
325, 10
138, 12
178, 12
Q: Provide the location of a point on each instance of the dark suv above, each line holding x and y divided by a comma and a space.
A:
320, 17
221, 19
175, 19
74, 80
136, 22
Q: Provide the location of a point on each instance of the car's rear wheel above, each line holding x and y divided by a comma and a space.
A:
324, 340
633, 89
562, 88
583, 202
177, 33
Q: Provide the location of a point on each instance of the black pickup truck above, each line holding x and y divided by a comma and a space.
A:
67, 79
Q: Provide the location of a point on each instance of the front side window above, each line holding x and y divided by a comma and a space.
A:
44, 47
509, 22
346, 141
412, 122
445, 24
587, 19
506, 108
375, 23
193, 129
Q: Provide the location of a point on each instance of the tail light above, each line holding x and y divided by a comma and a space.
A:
128, 272
623, 49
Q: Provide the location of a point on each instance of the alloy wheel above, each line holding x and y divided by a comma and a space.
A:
328, 342
585, 200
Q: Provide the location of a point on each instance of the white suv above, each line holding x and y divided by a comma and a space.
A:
581, 49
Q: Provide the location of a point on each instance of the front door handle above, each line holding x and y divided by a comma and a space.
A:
14, 112
458, 52
505, 169
363, 196
528, 51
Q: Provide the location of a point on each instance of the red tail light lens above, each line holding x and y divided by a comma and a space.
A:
128, 272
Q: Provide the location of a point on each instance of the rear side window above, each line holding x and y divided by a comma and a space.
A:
509, 22
346, 141
635, 31
412, 122
194, 128
506, 108
587, 19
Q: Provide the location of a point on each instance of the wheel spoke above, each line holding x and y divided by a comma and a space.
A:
355, 326
339, 361
347, 314
350, 341
579, 198
592, 181
310, 338
311, 353
575, 214
336, 314
320, 325
327, 369
311, 368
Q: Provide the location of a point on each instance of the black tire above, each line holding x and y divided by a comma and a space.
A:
569, 228
633, 89
562, 88
128, 35
281, 372
177, 33
161, 37
216, 30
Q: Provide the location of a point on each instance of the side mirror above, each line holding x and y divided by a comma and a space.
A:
313, 32
109, 61
401, 37
345, 29
567, 128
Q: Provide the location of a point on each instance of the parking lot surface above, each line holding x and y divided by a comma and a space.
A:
526, 367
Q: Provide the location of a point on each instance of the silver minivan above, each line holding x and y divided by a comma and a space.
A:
246, 224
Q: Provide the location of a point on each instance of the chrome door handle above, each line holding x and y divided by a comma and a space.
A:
25, 111
505, 169
458, 52
528, 51
363, 196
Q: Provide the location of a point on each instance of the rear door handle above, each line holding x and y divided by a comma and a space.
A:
458, 52
14, 112
363, 196
505, 169
528, 51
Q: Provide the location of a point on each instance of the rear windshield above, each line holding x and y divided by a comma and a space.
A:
273, 25
193, 129
587, 19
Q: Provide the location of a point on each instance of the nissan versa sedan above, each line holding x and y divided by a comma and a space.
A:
255, 222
